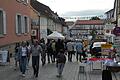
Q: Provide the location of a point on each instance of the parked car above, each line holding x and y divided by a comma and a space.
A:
95, 48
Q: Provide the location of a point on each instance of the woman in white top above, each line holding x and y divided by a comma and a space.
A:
23, 53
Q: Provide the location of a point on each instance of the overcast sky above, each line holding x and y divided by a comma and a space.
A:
64, 6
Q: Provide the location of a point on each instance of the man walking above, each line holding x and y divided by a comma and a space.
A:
79, 50
70, 49
36, 50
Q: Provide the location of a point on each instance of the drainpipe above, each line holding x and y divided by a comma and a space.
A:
39, 28
117, 2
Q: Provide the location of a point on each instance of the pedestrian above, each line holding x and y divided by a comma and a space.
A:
60, 62
29, 53
43, 54
79, 51
16, 56
36, 49
59, 45
70, 49
23, 52
54, 51
49, 51
84, 53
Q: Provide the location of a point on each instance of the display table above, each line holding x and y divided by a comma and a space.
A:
99, 59
97, 63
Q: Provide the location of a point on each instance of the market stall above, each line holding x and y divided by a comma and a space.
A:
55, 35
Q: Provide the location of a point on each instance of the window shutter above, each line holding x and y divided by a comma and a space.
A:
16, 24
23, 24
27, 1
28, 22
4, 21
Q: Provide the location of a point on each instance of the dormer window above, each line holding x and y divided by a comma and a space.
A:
23, 1
26, 1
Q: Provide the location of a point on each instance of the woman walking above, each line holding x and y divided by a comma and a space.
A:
23, 52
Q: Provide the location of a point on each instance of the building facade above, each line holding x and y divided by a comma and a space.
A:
117, 12
14, 22
109, 26
82, 29
49, 21
35, 24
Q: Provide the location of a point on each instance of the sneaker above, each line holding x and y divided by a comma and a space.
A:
23, 75
58, 76
36, 75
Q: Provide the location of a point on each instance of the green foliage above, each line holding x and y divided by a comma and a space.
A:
95, 18
93, 33
49, 31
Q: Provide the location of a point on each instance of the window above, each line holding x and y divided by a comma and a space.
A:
26, 24
22, 24
2, 22
18, 24
25, 1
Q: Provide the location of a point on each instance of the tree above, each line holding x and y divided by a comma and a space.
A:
49, 31
93, 33
95, 18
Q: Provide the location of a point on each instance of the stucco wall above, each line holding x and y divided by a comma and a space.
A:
11, 7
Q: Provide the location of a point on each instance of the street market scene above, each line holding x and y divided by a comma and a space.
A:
59, 39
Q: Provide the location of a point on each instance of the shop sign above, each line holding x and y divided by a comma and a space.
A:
116, 31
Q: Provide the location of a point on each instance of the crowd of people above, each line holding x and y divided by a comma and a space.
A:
51, 52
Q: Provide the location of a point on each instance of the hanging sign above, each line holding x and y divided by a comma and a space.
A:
116, 31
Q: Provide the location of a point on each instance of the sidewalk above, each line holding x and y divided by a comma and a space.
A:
7, 66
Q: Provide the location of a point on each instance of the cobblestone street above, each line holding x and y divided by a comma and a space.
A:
47, 72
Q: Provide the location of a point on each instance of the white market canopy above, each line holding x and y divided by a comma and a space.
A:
55, 35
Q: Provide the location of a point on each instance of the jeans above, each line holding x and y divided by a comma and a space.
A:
78, 56
49, 56
35, 65
22, 64
60, 67
70, 56
43, 58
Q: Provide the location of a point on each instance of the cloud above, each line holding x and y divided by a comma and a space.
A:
84, 13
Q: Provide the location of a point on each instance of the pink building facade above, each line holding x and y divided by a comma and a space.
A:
14, 22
